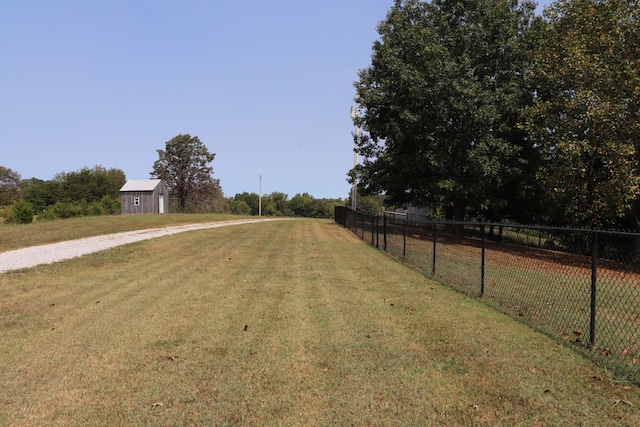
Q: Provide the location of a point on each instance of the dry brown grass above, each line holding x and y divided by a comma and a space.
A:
15, 236
280, 323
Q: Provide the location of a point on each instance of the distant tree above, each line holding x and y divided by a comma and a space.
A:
269, 206
9, 186
240, 207
206, 197
251, 200
372, 205
302, 205
281, 203
42, 194
184, 166
586, 115
90, 185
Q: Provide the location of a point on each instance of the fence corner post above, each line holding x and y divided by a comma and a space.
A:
482, 263
404, 238
433, 265
384, 231
594, 283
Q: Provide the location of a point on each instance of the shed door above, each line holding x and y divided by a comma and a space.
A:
161, 203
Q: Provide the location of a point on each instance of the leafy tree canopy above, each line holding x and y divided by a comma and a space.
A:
586, 115
90, 184
184, 166
9, 186
441, 102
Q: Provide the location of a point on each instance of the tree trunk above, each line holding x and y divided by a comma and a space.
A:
459, 208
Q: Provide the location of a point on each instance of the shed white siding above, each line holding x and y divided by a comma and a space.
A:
144, 196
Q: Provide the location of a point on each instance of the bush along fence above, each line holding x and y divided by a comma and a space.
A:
580, 286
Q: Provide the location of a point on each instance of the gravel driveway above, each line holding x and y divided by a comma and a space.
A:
54, 252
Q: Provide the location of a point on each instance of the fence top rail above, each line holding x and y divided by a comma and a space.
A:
536, 227
549, 228
395, 213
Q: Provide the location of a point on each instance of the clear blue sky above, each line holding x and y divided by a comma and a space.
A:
266, 85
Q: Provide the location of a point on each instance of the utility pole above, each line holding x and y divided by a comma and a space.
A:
260, 198
355, 112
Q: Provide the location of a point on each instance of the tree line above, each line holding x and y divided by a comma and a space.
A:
88, 191
95, 191
185, 167
482, 110
279, 204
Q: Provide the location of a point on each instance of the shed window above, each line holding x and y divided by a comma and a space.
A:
136, 200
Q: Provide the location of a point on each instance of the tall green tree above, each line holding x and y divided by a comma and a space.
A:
246, 203
42, 194
586, 115
9, 186
91, 185
441, 102
184, 166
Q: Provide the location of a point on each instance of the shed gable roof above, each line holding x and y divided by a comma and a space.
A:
141, 185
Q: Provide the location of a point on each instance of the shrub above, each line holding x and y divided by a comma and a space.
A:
110, 205
47, 215
96, 209
21, 213
67, 210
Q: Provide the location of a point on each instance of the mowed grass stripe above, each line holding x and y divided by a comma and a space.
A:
280, 323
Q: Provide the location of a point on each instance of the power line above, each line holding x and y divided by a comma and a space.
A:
296, 151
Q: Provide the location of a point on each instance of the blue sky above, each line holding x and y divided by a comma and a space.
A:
266, 85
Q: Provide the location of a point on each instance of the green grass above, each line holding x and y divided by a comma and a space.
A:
15, 236
279, 323
548, 290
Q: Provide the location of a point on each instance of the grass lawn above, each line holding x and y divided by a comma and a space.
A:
278, 323
16, 236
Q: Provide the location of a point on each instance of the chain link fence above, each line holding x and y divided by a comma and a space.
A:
580, 286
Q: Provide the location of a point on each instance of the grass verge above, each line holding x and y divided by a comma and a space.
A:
279, 323
16, 236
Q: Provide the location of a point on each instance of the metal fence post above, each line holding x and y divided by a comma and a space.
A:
384, 231
594, 280
433, 265
404, 238
373, 242
482, 263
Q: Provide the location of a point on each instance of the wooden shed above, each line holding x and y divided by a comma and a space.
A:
144, 196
